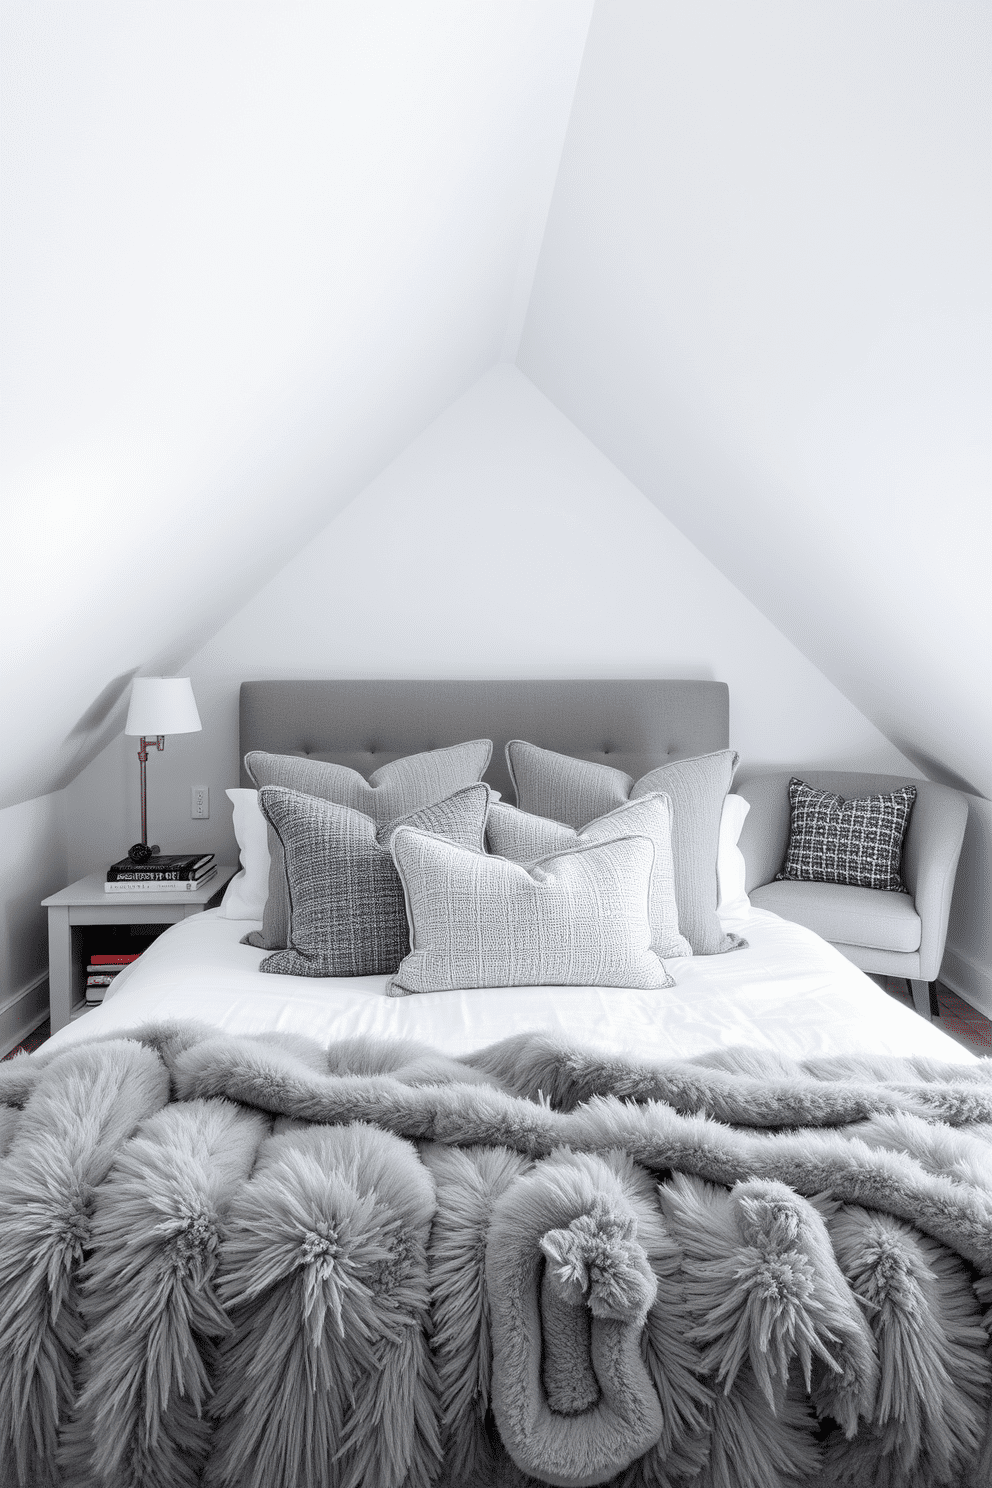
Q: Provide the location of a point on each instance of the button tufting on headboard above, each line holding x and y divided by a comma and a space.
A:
634, 724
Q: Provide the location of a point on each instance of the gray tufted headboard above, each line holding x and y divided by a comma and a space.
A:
632, 725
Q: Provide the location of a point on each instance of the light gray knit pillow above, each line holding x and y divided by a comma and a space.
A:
575, 919
578, 791
392, 791
523, 838
347, 915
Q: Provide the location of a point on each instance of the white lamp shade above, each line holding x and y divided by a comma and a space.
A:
162, 705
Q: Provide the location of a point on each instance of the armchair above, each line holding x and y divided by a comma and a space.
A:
888, 934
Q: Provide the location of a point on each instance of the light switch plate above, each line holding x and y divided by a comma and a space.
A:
199, 801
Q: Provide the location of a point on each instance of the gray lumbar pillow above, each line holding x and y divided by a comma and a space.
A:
394, 790
575, 919
523, 838
347, 915
578, 791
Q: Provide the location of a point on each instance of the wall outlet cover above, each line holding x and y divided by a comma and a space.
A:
199, 801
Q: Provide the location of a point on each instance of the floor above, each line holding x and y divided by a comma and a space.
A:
964, 1023
32, 1042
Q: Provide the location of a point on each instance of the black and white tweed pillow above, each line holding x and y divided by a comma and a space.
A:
858, 843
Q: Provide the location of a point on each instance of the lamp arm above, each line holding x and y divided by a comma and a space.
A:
143, 744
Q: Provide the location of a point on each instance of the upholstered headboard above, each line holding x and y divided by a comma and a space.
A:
632, 725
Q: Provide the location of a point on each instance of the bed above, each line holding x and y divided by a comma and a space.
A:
730, 1233
788, 991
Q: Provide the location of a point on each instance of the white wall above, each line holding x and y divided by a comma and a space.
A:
250, 251
253, 250
764, 293
501, 543
968, 959
32, 866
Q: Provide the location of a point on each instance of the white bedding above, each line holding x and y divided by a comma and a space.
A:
788, 991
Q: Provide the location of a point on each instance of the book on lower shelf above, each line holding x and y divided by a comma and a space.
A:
103, 969
159, 885
162, 868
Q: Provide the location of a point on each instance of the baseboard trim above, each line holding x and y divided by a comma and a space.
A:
968, 980
22, 1012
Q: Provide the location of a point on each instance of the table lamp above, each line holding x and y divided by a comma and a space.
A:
159, 706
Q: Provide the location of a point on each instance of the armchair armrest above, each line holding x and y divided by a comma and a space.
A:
765, 833
930, 855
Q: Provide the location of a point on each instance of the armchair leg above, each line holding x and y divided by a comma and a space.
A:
924, 997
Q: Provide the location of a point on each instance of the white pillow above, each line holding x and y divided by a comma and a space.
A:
731, 870
248, 890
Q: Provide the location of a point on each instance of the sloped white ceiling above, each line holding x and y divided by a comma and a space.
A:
251, 251
764, 294
507, 546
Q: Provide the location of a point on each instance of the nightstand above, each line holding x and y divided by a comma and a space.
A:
87, 902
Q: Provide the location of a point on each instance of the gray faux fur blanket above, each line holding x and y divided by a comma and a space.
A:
253, 1262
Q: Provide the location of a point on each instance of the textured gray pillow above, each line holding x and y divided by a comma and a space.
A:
347, 916
392, 791
523, 838
578, 791
575, 919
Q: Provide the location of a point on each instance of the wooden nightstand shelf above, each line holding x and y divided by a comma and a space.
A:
87, 902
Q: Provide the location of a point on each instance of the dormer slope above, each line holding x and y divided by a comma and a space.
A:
764, 294
251, 253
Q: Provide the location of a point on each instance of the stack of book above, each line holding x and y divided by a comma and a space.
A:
169, 872
100, 974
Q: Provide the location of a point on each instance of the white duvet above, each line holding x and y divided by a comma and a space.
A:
788, 991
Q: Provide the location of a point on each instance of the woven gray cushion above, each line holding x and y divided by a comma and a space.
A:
392, 791
577, 918
523, 838
347, 916
576, 792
